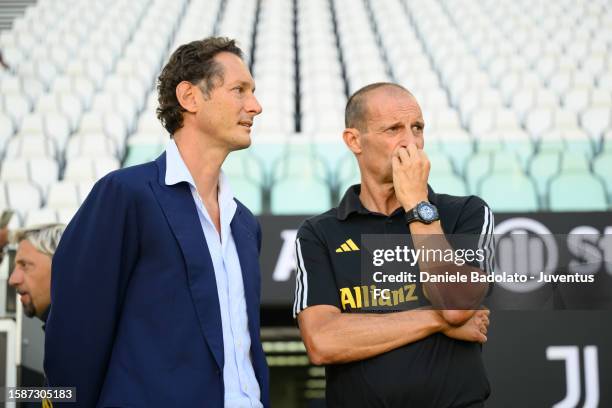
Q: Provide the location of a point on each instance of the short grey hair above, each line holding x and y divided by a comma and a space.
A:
45, 238
356, 110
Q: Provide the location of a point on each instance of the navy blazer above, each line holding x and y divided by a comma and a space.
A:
135, 318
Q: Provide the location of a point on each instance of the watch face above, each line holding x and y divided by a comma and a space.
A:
426, 211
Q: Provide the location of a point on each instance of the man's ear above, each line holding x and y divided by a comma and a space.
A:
186, 96
352, 138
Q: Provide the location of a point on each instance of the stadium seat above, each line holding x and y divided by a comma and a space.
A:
457, 144
40, 216
15, 170
85, 169
51, 124
493, 81
107, 123
566, 139
509, 192
81, 86
242, 164
16, 106
577, 192
539, 120
90, 147
20, 196
148, 123
596, 120
269, 151
602, 167
476, 168
331, 151
505, 163
299, 196
542, 168
347, 174
516, 141
574, 162
31, 146
300, 165
142, 153
606, 142
63, 194
67, 104
116, 103
7, 129
448, 184
440, 164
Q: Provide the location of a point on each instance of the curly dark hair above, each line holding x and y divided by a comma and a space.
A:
193, 62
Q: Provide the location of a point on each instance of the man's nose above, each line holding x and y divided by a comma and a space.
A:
15, 278
408, 138
254, 106
411, 137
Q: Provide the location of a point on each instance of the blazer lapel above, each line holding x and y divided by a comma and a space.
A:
177, 204
248, 256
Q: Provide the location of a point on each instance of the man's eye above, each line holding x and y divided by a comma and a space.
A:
238, 89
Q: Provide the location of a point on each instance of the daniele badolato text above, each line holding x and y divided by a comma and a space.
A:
457, 257
477, 277
392, 279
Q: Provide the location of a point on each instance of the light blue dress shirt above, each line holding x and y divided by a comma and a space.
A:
241, 386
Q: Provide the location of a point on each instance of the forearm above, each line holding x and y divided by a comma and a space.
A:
447, 296
347, 337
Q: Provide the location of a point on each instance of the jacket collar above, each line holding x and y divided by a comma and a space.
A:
351, 204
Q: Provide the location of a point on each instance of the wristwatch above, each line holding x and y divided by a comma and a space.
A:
423, 212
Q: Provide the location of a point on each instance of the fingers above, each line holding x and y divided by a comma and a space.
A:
396, 151
412, 150
482, 336
403, 155
482, 325
395, 161
484, 321
482, 314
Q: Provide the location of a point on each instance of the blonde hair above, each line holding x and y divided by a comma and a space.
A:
45, 238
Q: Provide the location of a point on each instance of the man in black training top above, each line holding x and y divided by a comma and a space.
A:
420, 357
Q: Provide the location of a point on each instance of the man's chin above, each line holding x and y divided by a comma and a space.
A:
29, 310
241, 143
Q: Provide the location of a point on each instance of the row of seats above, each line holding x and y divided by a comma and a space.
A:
27, 200
262, 173
500, 84
80, 75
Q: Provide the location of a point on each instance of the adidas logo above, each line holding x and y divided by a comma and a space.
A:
348, 246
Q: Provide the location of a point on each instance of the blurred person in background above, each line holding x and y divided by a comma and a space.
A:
31, 276
156, 283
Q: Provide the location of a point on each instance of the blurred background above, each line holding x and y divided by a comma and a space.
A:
517, 99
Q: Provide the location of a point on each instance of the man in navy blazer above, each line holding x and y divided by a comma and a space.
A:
156, 285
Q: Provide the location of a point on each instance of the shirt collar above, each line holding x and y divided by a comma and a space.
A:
177, 172
351, 204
